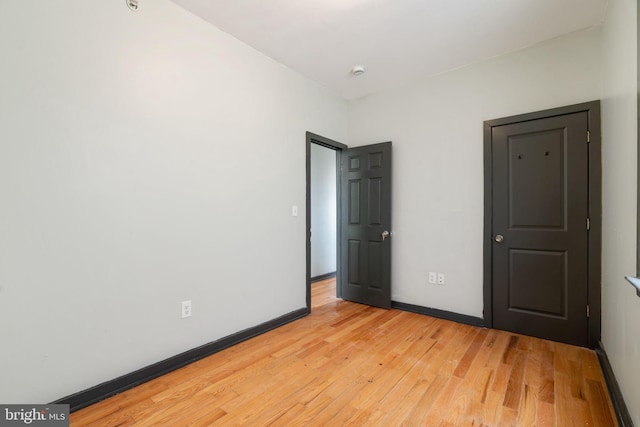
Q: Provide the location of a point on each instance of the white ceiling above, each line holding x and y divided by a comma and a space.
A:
395, 40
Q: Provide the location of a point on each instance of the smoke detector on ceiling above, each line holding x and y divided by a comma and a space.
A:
358, 70
132, 4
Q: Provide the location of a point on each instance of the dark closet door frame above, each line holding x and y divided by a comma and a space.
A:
595, 209
312, 138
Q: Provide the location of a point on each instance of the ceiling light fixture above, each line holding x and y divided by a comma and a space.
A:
358, 70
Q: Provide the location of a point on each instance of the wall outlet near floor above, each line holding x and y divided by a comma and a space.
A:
440, 279
432, 277
186, 309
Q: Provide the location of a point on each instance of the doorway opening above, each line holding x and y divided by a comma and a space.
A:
363, 221
323, 212
323, 195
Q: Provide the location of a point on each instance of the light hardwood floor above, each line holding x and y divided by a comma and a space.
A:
349, 365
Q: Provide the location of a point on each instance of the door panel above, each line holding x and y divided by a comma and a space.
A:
354, 262
537, 178
366, 213
540, 206
354, 202
538, 282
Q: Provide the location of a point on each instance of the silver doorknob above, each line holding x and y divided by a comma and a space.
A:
385, 234
499, 238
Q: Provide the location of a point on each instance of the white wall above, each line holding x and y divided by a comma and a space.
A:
145, 158
620, 305
323, 210
436, 126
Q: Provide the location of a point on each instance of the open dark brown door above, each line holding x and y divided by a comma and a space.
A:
540, 188
365, 242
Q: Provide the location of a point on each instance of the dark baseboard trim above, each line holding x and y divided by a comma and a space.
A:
109, 388
441, 314
323, 276
622, 413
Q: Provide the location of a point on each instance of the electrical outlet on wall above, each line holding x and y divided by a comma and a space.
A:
432, 277
440, 279
186, 309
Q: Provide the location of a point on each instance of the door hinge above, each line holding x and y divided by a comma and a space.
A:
588, 224
588, 312
588, 136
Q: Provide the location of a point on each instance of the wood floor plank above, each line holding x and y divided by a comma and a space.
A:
528, 409
508, 417
476, 386
349, 364
533, 368
492, 408
440, 406
599, 403
514, 385
406, 392
470, 354
456, 409
497, 342
545, 416
429, 389
563, 400
287, 415
579, 394
547, 382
